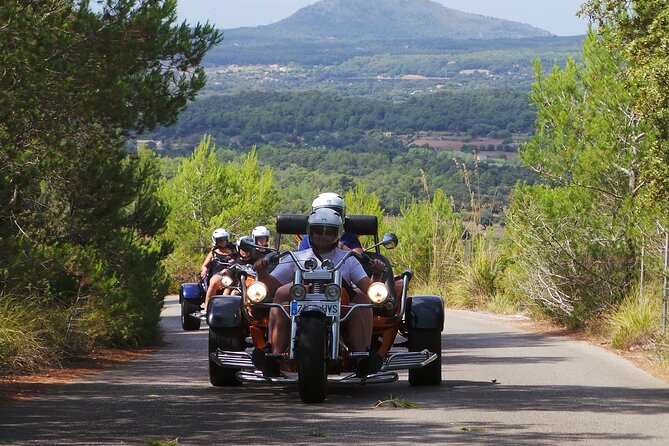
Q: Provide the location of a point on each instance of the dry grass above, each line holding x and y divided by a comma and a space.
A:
23, 386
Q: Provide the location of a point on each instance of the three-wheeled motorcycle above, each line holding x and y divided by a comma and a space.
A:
319, 304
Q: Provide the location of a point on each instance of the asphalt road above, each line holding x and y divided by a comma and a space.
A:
547, 390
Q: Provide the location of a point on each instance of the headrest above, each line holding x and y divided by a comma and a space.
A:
357, 224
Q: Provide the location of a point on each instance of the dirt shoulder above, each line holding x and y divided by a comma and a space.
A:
19, 387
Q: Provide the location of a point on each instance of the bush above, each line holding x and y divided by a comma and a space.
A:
430, 236
636, 321
478, 281
33, 335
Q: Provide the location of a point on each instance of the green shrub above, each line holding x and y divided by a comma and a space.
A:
636, 321
429, 240
478, 278
33, 335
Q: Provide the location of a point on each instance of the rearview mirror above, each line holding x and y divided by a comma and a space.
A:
389, 240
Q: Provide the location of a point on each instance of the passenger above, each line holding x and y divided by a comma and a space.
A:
348, 241
324, 228
260, 237
241, 257
219, 255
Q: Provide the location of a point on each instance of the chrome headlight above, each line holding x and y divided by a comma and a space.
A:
256, 292
378, 292
226, 280
332, 291
311, 264
298, 292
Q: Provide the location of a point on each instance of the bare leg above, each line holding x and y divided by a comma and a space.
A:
359, 325
214, 286
279, 324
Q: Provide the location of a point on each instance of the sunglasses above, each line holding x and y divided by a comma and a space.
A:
324, 230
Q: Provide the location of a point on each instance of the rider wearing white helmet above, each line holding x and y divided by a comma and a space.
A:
330, 200
260, 235
219, 253
324, 226
216, 286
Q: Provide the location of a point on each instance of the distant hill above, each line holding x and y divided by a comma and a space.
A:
386, 19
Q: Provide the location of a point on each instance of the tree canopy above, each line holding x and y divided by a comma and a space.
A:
79, 215
637, 30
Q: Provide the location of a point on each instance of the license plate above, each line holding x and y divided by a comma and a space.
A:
328, 308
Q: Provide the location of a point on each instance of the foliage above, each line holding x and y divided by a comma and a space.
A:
431, 234
79, 216
577, 234
396, 403
206, 194
26, 337
336, 121
193, 195
478, 279
252, 200
635, 322
637, 31
359, 201
299, 173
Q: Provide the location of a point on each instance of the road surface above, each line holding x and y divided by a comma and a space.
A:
502, 386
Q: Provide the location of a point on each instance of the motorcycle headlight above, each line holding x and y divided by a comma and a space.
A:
226, 280
378, 292
256, 292
332, 291
298, 292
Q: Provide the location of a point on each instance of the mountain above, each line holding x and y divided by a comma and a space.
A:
386, 19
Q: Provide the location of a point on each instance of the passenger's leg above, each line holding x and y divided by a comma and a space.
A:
214, 286
359, 325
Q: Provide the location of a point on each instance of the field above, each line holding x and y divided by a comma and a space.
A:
485, 147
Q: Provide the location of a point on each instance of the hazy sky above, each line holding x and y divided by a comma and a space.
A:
555, 16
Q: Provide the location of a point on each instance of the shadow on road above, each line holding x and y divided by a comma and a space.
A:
274, 415
167, 395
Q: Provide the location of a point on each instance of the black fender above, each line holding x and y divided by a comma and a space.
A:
425, 312
191, 291
225, 312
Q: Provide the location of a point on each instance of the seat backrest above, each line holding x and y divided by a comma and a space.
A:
296, 224
362, 224
291, 224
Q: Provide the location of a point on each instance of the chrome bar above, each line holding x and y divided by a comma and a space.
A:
353, 307
334, 344
232, 359
408, 360
293, 334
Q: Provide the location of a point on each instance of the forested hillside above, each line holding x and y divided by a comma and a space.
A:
332, 120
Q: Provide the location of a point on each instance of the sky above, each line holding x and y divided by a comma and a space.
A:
555, 16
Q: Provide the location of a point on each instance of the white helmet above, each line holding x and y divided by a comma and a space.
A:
219, 235
325, 221
330, 200
260, 231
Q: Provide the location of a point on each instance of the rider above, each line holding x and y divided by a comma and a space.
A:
335, 202
348, 241
260, 236
324, 227
241, 257
219, 254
